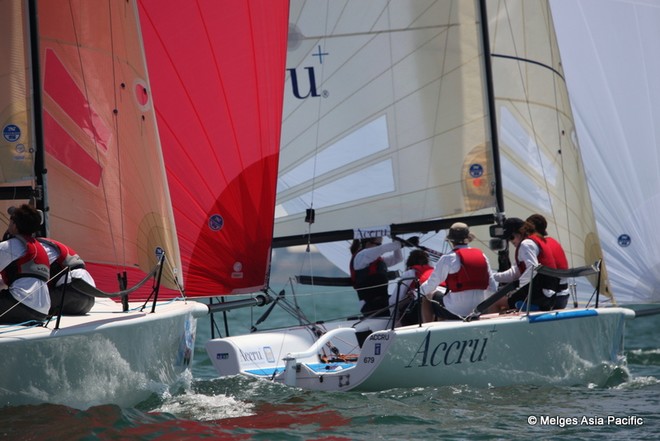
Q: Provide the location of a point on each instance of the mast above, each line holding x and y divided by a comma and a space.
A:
40, 194
492, 116
503, 260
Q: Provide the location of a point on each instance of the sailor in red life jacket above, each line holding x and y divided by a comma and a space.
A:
369, 273
531, 251
418, 269
541, 226
61, 256
25, 269
467, 274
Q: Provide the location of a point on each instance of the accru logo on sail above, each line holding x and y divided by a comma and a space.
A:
312, 90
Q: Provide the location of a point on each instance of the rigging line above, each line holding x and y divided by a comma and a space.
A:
89, 115
318, 119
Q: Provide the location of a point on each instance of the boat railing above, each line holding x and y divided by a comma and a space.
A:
397, 299
581, 271
82, 287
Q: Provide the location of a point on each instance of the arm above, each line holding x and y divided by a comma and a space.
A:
395, 257
492, 283
6, 254
404, 287
368, 255
439, 273
509, 275
528, 253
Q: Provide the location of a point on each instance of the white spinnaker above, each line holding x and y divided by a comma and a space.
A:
610, 51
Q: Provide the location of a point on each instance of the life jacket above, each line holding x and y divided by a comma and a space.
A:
557, 252
67, 258
560, 258
545, 258
422, 272
371, 282
34, 263
473, 273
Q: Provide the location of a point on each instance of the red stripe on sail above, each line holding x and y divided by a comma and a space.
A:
61, 87
69, 152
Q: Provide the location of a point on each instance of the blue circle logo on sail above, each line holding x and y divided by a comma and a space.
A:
159, 251
624, 240
216, 222
476, 171
11, 132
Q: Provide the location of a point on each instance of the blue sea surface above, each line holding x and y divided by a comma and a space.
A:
245, 409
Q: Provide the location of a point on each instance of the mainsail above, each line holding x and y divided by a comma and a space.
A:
610, 52
375, 131
388, 121
217, 70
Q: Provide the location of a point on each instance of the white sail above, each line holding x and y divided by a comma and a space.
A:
610, 48
383, 102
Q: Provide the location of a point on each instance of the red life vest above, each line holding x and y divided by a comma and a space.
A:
67, 256
544, 257
67, 259
473, 273
34, 263
557, 252
422, 272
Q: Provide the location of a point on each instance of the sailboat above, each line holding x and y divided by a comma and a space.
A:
402, 118
76, 101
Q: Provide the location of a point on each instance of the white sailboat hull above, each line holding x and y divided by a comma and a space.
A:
104, 357
556, 348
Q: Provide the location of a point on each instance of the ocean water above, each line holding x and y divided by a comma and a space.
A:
244, 409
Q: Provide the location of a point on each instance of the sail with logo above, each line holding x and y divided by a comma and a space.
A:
82, 107
402, 118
